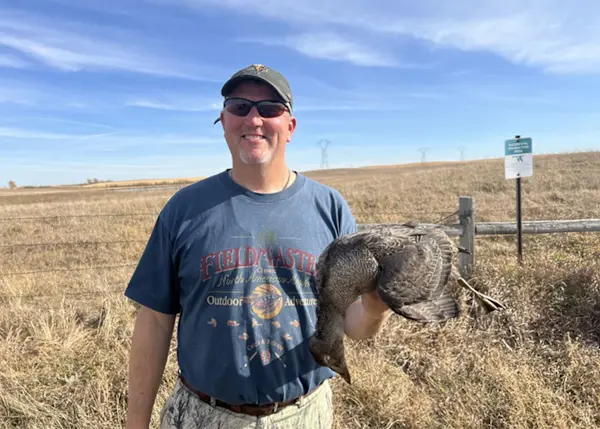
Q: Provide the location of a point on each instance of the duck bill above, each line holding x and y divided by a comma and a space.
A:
346, 376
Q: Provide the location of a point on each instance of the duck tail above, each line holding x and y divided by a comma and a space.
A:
488, 303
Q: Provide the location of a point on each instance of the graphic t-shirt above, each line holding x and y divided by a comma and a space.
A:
239, 267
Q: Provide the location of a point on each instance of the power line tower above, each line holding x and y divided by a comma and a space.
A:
423, 151
462, 152
323, 144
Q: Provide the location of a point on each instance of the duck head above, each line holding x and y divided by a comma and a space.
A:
331, 355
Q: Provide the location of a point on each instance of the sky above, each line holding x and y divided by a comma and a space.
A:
129, 89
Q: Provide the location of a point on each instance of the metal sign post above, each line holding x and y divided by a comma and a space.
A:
519, 223
518, 162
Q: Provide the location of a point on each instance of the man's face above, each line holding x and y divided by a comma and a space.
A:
252, 138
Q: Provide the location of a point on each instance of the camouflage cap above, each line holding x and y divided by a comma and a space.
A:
263, 74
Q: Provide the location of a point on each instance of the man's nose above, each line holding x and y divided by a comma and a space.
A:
253, 117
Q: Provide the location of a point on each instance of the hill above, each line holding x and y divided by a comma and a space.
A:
65, 326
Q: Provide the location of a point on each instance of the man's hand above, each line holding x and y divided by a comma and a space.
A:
365, 317
373, 305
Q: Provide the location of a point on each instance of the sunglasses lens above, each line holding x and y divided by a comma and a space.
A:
268, 109
238, 107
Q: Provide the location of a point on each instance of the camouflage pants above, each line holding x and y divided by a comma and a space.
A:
184, 410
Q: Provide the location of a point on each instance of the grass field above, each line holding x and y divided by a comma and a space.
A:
65, 328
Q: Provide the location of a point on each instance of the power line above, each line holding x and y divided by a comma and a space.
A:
423, 151
323, 144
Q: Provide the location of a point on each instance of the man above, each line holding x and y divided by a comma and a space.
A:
234, 255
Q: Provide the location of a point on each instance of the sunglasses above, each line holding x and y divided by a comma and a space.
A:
266, 108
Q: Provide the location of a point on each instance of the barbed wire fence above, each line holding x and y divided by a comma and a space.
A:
444, 217
357, 213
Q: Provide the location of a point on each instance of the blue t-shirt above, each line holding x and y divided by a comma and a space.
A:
239, 267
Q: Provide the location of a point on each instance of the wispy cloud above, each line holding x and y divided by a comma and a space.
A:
42, 95
540, 37
68, 121
19, 133
175, 105
553, 35
331, 46
12, 61
311, 104
312, 12
17, 95
49, 97
103, 142
70, 47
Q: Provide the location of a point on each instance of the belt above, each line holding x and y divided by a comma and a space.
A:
250, 409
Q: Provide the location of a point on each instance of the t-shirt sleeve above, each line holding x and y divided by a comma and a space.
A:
154, 282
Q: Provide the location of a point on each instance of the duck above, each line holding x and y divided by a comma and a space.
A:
410, 266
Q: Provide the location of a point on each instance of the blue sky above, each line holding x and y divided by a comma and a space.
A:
126, 89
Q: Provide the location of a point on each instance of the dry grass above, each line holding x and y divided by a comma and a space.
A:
64, 335
144, 182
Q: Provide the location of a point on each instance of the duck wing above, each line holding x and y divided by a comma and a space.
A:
444, 250
385, 240
413, 279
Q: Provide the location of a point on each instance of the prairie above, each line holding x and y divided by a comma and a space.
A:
65, 326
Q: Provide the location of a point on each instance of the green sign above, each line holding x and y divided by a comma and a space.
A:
517, 146
518, 158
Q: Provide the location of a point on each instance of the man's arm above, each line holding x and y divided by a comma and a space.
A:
149, 351
365, 317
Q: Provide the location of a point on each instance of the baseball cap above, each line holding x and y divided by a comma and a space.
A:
263, 74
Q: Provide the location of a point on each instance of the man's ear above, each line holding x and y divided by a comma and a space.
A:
291, 128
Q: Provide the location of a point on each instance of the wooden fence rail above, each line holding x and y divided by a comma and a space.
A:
468, 228
539, 227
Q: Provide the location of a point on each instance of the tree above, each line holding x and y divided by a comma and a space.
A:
12, 184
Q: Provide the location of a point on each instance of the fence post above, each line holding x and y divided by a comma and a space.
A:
466, 210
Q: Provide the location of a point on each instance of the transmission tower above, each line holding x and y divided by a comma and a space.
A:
323, 144
423, 151
462, 152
